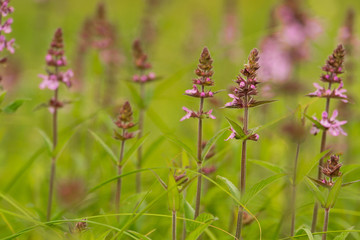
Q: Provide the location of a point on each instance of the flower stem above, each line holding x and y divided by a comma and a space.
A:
119, 180
141, 126
293, 194
322, 148
53, 159
326, 222
174, 225
199, 164
243, 168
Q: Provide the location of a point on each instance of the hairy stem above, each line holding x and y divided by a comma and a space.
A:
141, 126
174, 225
199, 165
53, 159
326, 222
322, 148
243, 168
119, 180
293, 194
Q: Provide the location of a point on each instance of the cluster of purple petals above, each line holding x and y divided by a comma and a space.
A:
330, 124
5, 28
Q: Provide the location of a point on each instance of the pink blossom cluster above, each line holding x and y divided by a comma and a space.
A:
328, 93
282, 49
192, 114
144, 78
204, 72
194, 92
55, 59
5, 28
330, 124
141, 63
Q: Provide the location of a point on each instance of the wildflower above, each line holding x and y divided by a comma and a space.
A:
204, 72
332, 125
247, 84
140, 61
338, 92
332, 167
124, 122
54, 60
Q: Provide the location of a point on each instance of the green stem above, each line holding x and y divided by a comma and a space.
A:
141, 126
322, 148
53, 159
199, 164
326, 222
293, 194
119, 180
243, 168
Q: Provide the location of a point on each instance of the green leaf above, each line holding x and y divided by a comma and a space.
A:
271, 166
239, 130
259, 103
316, 191
307, 230
2, 96
181, 145
12, 107
317, 123
258, 187
48, 142
210, 143
133, 148
136, 96
173, 193
350, 183
206, 221
305, 168
343, 235
139, 235
334, 193
203, 217
105, 147
232, 188
189, 214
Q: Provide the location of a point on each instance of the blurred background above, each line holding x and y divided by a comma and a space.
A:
294, 39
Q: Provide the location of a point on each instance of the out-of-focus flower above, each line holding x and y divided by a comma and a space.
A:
330, 124
124, 122
55, 59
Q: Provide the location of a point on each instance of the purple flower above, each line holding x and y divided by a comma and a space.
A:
189, 114
232, 135
328, 93
49, 81
209, 114
332, 125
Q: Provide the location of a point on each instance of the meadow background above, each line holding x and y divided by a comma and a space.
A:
183, 28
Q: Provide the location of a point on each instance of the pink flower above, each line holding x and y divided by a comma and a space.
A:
189, 114
209, 114
66, 77
5, 9
232, 135
136, 78
332, 125
192, 91
327, 93
151, 76
49, 81
6, 27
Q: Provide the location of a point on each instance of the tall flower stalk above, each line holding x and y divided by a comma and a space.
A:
142, 65
204, 72
333, 68
123, 122
243, 97
55, 60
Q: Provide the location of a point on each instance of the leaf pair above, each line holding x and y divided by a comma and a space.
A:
13, 106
